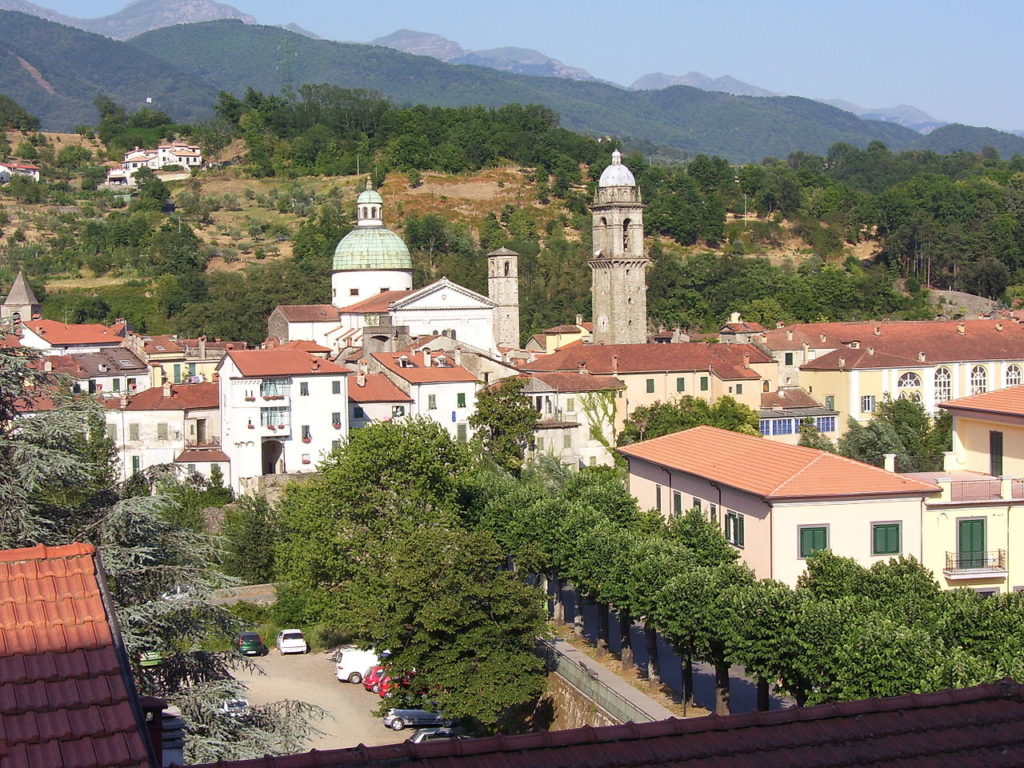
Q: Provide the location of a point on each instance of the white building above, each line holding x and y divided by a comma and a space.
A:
169, 153
372, 397
11, 168
439, 389
282, 411
108, 373
55, 338
173, 424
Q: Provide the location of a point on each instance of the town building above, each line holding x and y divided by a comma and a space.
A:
281, 412
777, 503
177, 360
552, 339
51, 337
21, 304
176, 152
619, 265
11, 168
785, 410
107, 373
373, 398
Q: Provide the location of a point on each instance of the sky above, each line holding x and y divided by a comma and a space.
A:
958, 61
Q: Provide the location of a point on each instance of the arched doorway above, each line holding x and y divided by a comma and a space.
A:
273, 457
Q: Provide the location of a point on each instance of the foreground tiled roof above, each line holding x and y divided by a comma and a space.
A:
771, 470
66, 697
201, 455
181, 397
282, 362
60, 334
979, 727
377, 303
727, 361
309, 313
376, 388
1009, 401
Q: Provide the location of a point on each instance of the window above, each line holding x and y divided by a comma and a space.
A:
177, 373
111, 432
885, 539
703, 383
766, 427
431, 402
812, 539
979, 380
275, 389
357, 413
830, 402
650, 385
306, 459
274, 417
680, 384
570, 405
677, 503
117, 385
970, 543
306, 434
161, 430
1012, 375
335, 445
191, 370
734, 528
739, 389
908, 387
567, 441
462, 432
825, 423
995, 453
657, 497
713, 513
696, 504
304, 389
336, 416
353, 291
191, 468
867, 404
136, 464
397, 411
133, 431
460, 400
335, 387
782, 426
943, 385
789, 358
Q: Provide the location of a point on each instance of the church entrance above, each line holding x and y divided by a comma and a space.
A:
273, 457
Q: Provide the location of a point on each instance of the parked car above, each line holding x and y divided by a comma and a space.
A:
442, 733
397, 719
291, 641
233, 707
250, 644
354, 663
371, 681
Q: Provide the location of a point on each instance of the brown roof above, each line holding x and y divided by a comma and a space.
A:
309, 313
66, 697
578, 382
60, 334
303, 346
201, 455
82, 365
788, 397
768, 469
563, 329
979, 727
183, 397
162, 345
375, 304
743, 327
440, 371
376, 389
726, 361
282, 362
1009, 401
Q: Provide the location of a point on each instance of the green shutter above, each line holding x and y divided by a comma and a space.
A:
703, 383
680, 384
650, 385
739, 530
812, 540
886, 539
971, 543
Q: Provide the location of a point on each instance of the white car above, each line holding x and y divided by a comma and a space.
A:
353, 663
233, 707
291, 641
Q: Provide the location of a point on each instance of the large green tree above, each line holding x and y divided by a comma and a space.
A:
505, 419
650, 421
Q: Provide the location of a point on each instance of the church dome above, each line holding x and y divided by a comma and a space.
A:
616, 174
371, 248
369, 196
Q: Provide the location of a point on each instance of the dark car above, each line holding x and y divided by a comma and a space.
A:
250, 644
442, 733
397, 719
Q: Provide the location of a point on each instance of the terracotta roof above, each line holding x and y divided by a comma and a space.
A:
771, 470
1009, 401
60, 334
201, 455
578, 382
743, 327
308, 313
183, 397
162, 345
9, 340
376, 389
563, 329
979, 727
66, 697
83, 365
375, 304
726, 361
788, 397
303, 346
282, 362
417, 373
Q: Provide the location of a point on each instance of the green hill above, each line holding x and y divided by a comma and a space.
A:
233, 56
955, 137
55, 71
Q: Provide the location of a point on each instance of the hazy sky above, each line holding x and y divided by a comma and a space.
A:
959, 61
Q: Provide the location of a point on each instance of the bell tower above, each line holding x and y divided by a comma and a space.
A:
503, 290
619, 266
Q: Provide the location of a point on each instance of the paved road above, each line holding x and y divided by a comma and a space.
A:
311, 678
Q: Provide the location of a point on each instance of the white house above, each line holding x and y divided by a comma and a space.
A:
169, 153
108, 373
282, 410
11, 168
175, 423
55, 338
440, 389
372, 397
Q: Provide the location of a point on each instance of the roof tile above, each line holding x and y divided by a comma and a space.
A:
727, 361
1007, 402
257, 363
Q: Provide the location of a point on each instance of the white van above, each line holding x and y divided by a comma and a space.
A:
354, 663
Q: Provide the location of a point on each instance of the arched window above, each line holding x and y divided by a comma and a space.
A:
1012, 375
908, 387
979, 380
625, 235
943, 385
602, 236
508, 266
765, 386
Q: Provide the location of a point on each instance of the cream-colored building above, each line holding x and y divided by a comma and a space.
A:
777, 503
179, 361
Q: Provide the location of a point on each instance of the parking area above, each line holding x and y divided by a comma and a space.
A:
310, 678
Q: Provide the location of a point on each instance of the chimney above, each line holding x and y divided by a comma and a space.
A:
807, 349
842, 362
47, 366
167, 388
789, 334
579, 319
202, 347
458, 356
961, 328
746, 361
999, 326
877, 330
124, 400
426, 357
871, 350
822, 337
316, 364
890, 461
920, 357
734, 317
615, 365
582, 366
361, 378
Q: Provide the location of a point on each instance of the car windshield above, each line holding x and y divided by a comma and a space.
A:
292, 636
249, 637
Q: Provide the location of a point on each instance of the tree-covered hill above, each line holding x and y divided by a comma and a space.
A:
13, 115
956, 137
55, 72
235, 56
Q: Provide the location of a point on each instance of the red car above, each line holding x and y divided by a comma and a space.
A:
387, 684
371, 681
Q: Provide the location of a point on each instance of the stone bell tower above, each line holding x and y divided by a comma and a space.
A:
619, 266
503, 290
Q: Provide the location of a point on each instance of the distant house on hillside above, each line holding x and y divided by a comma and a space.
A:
11, 168
172, 153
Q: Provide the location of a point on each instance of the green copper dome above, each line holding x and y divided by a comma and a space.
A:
369, 196
371, 248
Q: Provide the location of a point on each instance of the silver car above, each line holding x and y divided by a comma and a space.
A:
397, 719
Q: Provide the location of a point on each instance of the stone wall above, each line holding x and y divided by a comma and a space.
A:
569, 708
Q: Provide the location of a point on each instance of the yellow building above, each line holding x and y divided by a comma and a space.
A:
551, 340
179, 361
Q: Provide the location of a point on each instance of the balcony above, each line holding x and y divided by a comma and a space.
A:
281, 429
976, 565
975, 490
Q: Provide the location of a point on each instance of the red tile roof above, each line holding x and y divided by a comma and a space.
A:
162, 345
309, 313
376, 389
303, 346
66, 697
578, 382
788, 397
726, 361
282, 362
201, 455
773, 471
417, 373
375, 304
1009, 402
60, 334
183, 397
979, 727
9, 340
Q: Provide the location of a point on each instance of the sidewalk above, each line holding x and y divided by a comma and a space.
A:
611, 680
